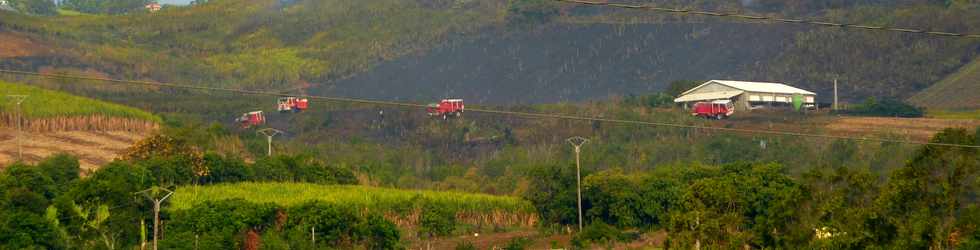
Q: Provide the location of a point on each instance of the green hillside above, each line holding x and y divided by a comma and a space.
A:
261, 44
280, 45
43, 103
960, 90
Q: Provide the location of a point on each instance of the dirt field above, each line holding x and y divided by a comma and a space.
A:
908, 128
93, 149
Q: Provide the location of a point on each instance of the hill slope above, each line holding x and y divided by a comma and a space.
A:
497, 51
960, 90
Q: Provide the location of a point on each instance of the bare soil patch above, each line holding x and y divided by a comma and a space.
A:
93, 149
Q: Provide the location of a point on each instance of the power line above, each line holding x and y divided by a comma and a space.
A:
493, 111
767, 18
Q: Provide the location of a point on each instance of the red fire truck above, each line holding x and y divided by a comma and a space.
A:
716, 109
446, 108
250, 119
292, 104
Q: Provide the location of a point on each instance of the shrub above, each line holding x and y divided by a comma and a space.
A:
888, 107
518, 243
221, 169
336, 224
220, 222
599, 232
436, 220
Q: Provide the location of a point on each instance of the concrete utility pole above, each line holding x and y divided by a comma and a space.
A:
18, 100
835, 94
269, 133
151, 194
577, 142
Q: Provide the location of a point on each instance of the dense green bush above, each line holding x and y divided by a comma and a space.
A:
301, 168
653, 100
599, 232
339, 225
35, 7
436, 220
888, 107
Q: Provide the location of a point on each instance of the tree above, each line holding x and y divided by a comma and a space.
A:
675, 88
35, 7
924, 200
105, 6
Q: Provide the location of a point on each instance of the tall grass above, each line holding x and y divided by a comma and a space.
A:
402, 206
49, 104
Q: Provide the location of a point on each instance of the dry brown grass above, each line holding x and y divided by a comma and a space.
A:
909, 128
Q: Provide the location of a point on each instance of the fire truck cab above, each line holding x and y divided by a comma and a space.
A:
292, 104
719, 109
250, 119
446, 108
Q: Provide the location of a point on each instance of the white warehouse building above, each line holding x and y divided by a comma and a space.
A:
746, 95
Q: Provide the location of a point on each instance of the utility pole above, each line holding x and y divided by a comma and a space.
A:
152, 194
269, 133
18, 100
835, 94
577, 142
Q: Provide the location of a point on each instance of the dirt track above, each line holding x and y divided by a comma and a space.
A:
93, 149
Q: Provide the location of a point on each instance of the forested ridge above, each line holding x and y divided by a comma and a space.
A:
421, 46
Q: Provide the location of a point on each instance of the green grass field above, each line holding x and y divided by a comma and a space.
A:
43, 103
954, 114
363, 197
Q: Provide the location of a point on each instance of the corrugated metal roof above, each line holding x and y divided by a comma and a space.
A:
764, 87
708, 96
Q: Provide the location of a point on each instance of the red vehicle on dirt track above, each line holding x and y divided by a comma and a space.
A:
292, 104
250, 119
720, 109
446, 108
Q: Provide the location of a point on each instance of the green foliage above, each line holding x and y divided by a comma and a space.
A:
436, 220
887, 107
42, 103
35, 7
337, 225
220, 222
518, 243
63, 169
601, 233
301, 168
361, 197
105, 6
553, 194
676, 88
529, 12
654, 100
924, 200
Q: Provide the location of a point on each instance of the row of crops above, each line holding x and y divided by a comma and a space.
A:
404, 207
45, 104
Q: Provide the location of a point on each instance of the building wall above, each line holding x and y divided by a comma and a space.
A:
770, 97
